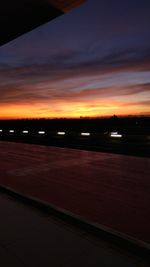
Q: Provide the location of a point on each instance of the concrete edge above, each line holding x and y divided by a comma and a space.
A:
122, 240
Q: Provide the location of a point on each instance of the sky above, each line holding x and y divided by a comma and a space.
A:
92, 61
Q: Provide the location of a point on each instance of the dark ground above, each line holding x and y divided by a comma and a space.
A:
109, 189
30, 237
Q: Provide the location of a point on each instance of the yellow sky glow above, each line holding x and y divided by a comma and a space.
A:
68, 110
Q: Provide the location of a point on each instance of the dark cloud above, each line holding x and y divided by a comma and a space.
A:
29, 95
49, 81
62, 66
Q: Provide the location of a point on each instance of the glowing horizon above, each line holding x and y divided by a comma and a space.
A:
79, 69
28, 112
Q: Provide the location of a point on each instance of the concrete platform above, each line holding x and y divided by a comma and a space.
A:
111, 190
30, 237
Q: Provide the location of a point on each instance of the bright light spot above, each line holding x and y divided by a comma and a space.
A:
1, 131
41, 132
85, 134
61, 133
25, 132
115, 135
11, 131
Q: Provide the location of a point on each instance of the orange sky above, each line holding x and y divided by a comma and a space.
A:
29, 92
71, 109
93, 61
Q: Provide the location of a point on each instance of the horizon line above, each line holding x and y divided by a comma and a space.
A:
79, 118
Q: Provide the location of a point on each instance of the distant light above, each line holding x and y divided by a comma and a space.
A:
115, 135
41, 132
1, 131
11, 131
85, 134
61, 133
25, 132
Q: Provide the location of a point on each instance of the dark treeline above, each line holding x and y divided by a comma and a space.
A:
131, 124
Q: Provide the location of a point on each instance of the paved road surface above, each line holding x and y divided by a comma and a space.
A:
113, 190
29, 238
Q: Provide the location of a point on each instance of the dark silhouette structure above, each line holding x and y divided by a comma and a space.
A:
18, 17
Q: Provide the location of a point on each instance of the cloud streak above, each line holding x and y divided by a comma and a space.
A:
69, 78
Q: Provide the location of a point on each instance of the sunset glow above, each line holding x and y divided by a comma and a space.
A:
78, 68
73, 109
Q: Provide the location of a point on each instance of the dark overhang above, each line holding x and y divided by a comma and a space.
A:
20, 16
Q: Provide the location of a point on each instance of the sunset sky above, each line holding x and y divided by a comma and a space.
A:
92, 61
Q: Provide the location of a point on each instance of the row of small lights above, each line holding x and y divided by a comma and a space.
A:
112, 134
43, 132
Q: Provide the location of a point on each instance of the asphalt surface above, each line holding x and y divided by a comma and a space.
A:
30, 237
111, 190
